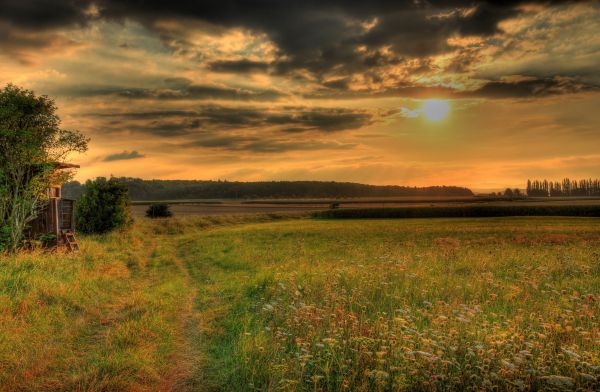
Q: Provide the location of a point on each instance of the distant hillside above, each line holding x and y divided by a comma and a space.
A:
183, 189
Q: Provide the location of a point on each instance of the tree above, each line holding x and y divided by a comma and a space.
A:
104, 206
31, 142
508, 192
517, 192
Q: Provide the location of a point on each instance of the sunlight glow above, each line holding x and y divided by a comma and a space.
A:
435, 109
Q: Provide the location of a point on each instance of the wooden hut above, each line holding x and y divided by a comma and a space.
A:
56, 221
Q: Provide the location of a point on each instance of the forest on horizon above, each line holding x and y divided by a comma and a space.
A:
144, 190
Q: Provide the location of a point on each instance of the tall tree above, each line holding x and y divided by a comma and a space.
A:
31, 142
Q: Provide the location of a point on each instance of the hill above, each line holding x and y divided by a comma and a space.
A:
193, 189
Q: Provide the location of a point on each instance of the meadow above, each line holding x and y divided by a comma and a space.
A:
293, 302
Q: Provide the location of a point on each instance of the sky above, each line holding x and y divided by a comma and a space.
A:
481, 94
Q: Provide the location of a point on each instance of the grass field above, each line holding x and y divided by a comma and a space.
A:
251, 303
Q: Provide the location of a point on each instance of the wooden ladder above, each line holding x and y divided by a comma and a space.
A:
70, 240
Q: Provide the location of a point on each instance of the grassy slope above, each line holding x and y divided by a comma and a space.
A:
307, 304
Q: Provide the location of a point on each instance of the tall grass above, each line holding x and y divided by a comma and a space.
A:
104, 319
406, 305
272, 303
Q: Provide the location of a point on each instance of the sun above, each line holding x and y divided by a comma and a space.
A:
435, 109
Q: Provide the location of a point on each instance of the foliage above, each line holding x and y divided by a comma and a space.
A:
568, 187
31, 141
4, 238
461, 211
158, 210
182, 189
103, 207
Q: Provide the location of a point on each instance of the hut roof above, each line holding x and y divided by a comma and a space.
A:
62, 165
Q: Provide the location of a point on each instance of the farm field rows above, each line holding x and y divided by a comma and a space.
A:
225, 207
246, 303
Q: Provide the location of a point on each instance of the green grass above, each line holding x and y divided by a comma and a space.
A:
301, 304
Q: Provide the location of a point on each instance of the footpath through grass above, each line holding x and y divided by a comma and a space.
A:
307, 304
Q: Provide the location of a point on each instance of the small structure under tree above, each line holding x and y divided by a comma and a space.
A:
32, 141
55, 223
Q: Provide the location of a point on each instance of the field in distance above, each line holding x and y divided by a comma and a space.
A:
193, 207
227, 303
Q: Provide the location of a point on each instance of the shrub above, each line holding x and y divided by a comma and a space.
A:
104, 206
158, 210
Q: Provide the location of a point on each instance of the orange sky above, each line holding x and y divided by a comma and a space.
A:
330, 90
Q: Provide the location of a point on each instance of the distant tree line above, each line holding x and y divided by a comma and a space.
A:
567, 187
144, 190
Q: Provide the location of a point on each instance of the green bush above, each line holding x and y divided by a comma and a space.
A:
104, 206
158, 210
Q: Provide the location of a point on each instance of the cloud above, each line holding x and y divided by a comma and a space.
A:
531, 87
123, 156
328, 49
265, 145
216, 117
239, 66
46, 14
182, 92
322, 37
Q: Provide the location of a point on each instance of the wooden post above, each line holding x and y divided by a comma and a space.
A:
56, 219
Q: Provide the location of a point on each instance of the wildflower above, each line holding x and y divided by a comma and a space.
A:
423, 354
587, 377
379, 375
507, 364
571, 353
558, 381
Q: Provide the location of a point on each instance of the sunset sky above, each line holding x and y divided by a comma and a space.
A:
382, 92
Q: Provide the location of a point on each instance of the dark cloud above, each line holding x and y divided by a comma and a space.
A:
45, 14
265, 145
123, 156
520, 87
532, 87
239, 66
214, 117
325, 43
338, 84
319, 36
327, 120
402, 89
323, 36
178, 91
